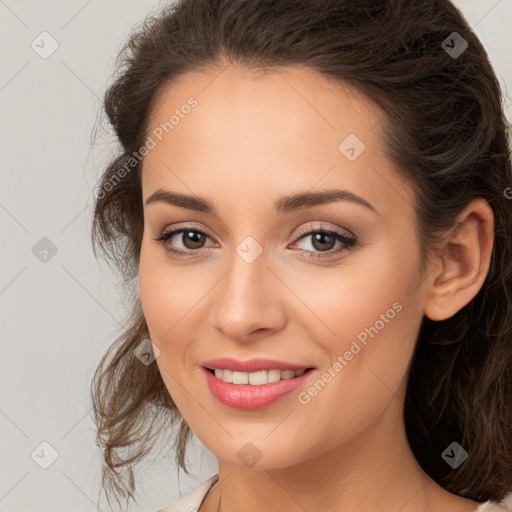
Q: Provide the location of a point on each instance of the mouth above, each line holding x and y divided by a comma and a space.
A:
257, 378
255, 390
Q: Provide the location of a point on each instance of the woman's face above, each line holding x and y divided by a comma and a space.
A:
255, 285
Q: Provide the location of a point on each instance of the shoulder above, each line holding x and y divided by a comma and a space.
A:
504, 505
191, 501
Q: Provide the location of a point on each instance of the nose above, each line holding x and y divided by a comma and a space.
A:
248, 301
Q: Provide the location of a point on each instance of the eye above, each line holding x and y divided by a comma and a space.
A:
191, 238
324, 240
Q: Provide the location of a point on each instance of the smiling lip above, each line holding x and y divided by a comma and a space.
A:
251, 365
249, 396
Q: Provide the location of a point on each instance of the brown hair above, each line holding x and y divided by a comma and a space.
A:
446, 132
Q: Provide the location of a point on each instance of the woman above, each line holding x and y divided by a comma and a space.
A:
312, 199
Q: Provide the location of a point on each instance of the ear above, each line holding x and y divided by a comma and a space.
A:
462, 262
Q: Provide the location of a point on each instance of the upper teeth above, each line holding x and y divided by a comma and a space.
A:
256, 378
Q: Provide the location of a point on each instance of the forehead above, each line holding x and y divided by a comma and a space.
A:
261, 135
298, 98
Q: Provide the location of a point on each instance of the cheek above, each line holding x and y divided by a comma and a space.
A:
152, 295
167, 292
372, 321
164, 309
353, 296
171, 296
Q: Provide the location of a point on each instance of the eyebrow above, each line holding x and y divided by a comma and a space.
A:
284, 204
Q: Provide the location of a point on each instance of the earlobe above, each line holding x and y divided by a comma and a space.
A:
462, 262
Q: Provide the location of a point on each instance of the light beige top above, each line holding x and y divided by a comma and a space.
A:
192, 501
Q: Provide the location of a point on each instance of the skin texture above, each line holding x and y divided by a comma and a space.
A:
251, 140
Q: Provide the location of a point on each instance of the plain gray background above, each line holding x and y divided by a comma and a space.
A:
60, 314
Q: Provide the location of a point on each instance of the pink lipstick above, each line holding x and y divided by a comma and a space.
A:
253, 396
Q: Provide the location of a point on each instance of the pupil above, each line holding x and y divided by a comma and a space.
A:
194, 235
319, 237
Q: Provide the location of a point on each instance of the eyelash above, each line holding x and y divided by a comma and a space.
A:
349, 242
